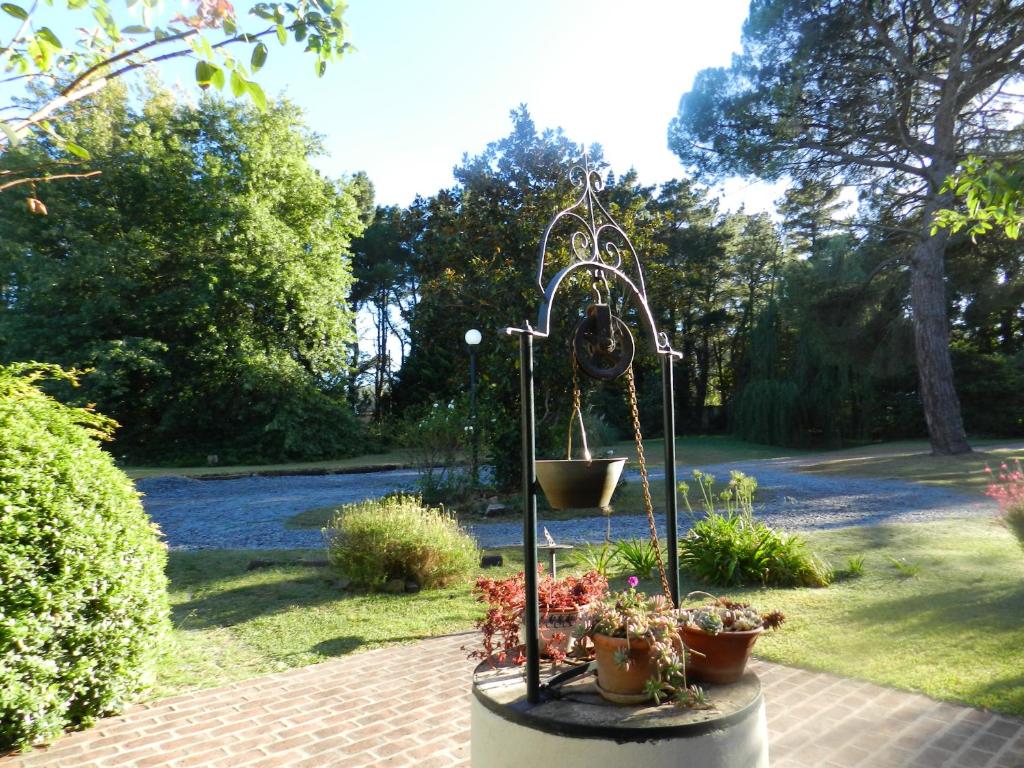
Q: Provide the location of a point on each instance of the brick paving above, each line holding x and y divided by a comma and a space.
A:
409, 706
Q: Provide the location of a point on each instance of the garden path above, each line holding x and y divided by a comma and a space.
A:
250, 512
408, 705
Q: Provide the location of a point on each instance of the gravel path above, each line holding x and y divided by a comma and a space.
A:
250, 512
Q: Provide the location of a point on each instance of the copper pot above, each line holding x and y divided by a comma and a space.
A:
724, 656
579, 483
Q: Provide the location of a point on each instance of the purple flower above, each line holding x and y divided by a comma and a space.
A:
632, 581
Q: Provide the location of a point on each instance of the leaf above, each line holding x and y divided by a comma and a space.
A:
321, 67
15, 10
217, 79
77, 150
204, 73
259, 98
238, 83
135, 29
259, 57
12, 136
47, 34
282, 34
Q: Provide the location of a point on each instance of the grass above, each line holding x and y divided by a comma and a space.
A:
952, 630
913, 462
231, 623
945, 619
396, 458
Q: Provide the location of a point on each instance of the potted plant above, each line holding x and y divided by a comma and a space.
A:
638, 649
721, 635
560, 602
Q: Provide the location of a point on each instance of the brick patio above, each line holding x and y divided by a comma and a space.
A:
409, 706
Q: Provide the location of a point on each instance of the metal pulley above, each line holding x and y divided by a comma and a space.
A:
602, 344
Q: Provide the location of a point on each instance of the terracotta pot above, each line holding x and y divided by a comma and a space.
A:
724, 656
556, 630
578, 483
624, 686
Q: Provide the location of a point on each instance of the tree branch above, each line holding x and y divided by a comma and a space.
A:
43, 179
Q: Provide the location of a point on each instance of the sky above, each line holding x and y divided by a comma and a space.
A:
430, 81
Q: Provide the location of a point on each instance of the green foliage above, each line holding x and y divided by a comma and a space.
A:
728, 547
375, 541
993, 196
201, 281
83, 606
734, 550
61, 74
637, 557
736, 498
603, 560
904, 568
438, 440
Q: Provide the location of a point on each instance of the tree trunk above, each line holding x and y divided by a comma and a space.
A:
931, 344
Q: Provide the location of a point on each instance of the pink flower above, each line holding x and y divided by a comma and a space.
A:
632, 581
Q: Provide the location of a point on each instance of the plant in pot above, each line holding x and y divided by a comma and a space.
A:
561, 602
638, 649
720, 635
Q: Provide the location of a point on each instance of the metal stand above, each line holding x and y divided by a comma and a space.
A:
531, 618
598, 245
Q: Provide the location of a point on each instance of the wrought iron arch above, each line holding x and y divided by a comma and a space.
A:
597, 243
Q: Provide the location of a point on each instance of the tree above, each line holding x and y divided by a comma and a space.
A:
202, 278
886, 94
59, 75
993, 195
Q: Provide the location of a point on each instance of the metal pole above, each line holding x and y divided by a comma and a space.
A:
668, 405
532, 612
472, 415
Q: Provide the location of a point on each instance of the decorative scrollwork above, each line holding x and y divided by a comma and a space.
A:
594, 237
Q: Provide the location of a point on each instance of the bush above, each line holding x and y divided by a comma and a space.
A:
375, 541
638, 557
733, 550
83, 603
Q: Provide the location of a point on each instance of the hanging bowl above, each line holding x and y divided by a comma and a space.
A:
579, 483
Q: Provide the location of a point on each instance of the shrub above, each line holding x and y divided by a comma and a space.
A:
438, 441
378, 540
735, 550
637, 556
602, 560
1008, 490
83, 604
732, 548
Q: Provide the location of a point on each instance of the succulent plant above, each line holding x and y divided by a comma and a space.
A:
720, 614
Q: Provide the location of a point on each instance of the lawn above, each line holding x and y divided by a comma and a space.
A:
914, 463
386, 460
953, 631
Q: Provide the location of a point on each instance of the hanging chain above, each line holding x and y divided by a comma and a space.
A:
644, 482
577, 411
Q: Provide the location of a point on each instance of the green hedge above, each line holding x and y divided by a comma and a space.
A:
83, 602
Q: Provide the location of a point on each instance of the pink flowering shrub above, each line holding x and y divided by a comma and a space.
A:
1008, 490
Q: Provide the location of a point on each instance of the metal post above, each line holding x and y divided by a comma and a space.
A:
532, 612
472, 416
668, 404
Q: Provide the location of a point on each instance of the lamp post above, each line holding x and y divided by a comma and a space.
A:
473, 338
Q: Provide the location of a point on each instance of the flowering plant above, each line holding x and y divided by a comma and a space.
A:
720, 614
636, 616
506, 599
1008, 490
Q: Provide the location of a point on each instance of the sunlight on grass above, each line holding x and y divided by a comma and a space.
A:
950, 624
387, 460
965, 472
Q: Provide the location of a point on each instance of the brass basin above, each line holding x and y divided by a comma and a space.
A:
578, 483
